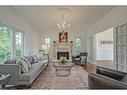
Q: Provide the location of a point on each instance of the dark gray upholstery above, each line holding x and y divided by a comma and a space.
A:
80, 59
105, 78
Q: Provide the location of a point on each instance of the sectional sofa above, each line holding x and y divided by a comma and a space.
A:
17, 77
106, 78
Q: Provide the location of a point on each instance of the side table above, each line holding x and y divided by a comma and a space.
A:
4, 79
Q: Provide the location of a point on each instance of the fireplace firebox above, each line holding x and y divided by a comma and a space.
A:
62, 54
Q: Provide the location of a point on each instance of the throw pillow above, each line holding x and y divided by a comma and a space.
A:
27, 62
24, 66
35, 58
29, 58
40, 57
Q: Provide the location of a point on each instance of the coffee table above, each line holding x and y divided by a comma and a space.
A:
63, 70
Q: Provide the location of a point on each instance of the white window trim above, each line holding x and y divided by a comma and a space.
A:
13, 48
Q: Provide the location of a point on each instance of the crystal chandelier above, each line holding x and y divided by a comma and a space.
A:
63, 25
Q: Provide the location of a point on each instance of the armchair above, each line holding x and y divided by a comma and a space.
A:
105, 78
80, 59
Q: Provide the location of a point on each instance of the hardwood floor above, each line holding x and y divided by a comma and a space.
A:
90, 68
106, 63
102, 63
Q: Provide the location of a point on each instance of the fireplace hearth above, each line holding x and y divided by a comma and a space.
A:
62, 54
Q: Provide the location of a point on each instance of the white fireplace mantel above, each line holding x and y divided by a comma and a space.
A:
63, 48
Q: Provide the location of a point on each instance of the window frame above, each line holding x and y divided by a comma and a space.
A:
22, 41
76, 43
13, 39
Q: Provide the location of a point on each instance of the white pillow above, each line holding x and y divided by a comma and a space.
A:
28, 63
35, 58
40, 57
24, 66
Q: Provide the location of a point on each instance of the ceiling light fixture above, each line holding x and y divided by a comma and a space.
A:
64, 15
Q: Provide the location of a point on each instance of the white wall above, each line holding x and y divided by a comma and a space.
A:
115, 17
72, 35
9, 17
105, 51
91, 49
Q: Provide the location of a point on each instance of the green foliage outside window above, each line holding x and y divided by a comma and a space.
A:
6, 44
78, 46
18, 44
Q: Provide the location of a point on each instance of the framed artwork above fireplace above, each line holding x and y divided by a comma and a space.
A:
63, 37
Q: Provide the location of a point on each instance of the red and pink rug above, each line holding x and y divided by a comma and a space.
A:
49, 80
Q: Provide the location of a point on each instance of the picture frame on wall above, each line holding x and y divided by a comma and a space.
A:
63, 37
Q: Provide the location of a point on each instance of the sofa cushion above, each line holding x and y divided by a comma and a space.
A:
124, 79
35, 58
29, 58
40, 55
43, 58
27, 62
43, 61
24, 66
33, 73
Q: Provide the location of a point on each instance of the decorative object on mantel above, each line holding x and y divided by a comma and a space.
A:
71, 41
63, 37
63, 60
54, 42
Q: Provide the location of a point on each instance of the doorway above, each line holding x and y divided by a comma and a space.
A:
104, 50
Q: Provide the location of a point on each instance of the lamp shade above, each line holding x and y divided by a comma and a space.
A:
44, 47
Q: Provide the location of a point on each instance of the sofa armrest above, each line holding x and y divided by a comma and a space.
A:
96, 81
14, 70
118, 75
82, 59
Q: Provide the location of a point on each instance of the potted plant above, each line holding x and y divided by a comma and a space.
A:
63, 60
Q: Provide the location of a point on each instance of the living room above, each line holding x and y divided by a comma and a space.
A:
56, 47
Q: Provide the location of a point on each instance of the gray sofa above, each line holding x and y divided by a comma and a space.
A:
105, 78
19, 78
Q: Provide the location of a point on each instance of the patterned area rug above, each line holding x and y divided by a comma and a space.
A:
49, 80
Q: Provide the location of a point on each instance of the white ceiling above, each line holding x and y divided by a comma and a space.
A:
46, 17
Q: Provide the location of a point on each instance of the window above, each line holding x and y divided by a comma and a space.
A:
121, 47
5, 43
78, 45
47, 42
104, 45
11, 43
19, 44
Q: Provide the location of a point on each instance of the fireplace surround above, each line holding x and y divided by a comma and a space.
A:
65, 50
62, 54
